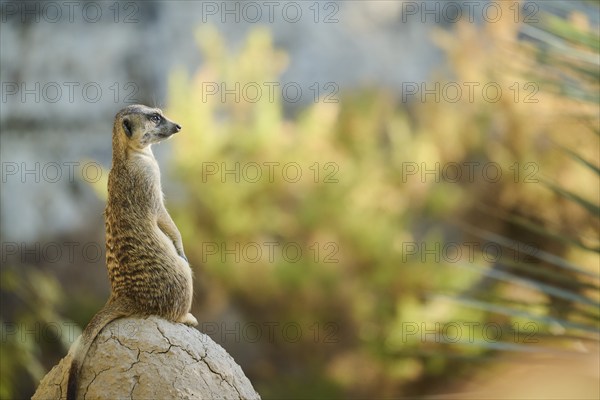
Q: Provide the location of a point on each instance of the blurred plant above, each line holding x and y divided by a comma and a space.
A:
556, 219
551, 277
355, 211
31, 328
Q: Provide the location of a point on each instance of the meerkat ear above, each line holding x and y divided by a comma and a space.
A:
127, 127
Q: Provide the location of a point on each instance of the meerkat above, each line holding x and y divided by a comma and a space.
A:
147, 267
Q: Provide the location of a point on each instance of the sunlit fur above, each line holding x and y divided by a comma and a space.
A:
147, 267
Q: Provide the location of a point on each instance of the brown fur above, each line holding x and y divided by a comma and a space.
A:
147, 268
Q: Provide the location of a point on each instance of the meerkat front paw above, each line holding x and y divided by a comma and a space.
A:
189, 320
181, 253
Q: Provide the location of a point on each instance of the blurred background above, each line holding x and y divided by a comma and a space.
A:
382, 199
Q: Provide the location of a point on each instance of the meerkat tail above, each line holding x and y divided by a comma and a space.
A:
111, 311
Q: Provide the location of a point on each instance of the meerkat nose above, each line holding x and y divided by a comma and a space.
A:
178, 127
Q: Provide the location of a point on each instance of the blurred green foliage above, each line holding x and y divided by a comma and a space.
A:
355, 209
357, 289
31, 328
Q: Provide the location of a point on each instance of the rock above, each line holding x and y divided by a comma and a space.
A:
151, 358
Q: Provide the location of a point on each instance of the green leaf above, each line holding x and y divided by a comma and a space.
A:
542, 287
519, 313
518, 246
592, 208
580, 159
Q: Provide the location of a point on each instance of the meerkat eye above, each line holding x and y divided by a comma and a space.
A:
155, 118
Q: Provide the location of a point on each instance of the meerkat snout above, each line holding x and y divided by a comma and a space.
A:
173, 130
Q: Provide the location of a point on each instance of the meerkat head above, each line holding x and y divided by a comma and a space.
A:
140, 126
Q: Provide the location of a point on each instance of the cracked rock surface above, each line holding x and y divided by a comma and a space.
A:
151, 358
